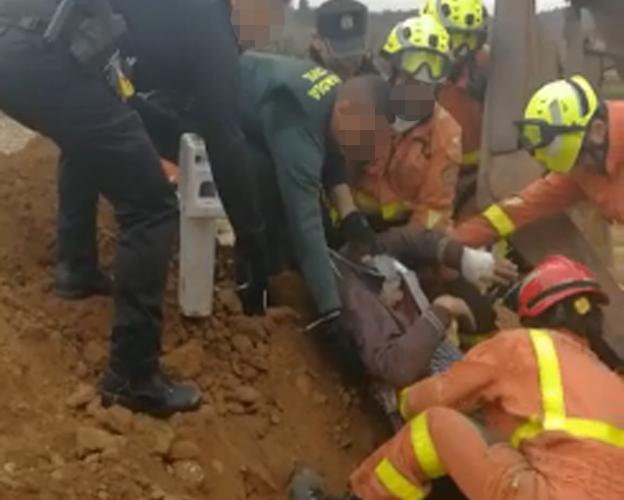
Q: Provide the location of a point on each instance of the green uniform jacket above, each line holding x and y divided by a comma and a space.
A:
287, 105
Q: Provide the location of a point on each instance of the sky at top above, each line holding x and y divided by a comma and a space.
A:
411, 4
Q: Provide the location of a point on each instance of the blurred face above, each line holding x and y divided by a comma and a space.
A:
257, 21
361, 134
412, 100
593, 155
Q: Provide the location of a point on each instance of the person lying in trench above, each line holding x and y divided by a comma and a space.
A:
397, 331
553, 410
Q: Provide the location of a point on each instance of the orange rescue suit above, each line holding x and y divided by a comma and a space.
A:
455, 95
518, 379
415, 181
556, 192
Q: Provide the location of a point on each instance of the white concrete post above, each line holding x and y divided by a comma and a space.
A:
200, 208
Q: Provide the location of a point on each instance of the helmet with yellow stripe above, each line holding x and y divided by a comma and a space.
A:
556, 120
464, 20
419, 46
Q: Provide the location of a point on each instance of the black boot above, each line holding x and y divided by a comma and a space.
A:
72, 284
154, 394
308, 485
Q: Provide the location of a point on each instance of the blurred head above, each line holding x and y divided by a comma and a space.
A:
465, 20
418, 54
564, 126
562, 293
361, 118
257, 21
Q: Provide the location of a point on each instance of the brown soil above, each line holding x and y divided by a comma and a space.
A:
270, 401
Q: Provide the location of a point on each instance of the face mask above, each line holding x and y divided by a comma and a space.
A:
400, 125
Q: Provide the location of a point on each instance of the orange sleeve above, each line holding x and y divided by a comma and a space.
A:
433, 203
542, 198
462, 386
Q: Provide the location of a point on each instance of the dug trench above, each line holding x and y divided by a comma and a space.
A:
270, 399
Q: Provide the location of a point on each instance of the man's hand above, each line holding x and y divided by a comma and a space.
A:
457, 308
482, 268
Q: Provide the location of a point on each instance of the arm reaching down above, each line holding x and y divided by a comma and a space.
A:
415, 246
298, 159
542, 198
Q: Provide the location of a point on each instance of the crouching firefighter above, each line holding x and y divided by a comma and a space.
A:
51, 59
554, 413
578, 139
399, 334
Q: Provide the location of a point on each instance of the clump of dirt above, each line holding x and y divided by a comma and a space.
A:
270, 401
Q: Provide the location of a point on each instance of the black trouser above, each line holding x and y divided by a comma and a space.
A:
43, 87
78, 193
76, 238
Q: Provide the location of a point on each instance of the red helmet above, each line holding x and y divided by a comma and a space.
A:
556, 278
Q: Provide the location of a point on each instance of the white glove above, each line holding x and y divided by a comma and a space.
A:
477, 266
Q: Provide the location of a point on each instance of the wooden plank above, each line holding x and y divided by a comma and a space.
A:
512, 32
559, 235
522, 59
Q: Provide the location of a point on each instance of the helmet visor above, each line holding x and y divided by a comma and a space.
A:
425, 65
556, 147
537, 134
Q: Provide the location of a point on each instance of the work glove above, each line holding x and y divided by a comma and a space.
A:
331, 330
252, 276
356, 231
482, 268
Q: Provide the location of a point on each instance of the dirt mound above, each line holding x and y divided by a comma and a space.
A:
270, 401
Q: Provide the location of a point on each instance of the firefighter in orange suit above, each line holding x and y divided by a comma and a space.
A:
554, 413
463, 93
579, 140
414, 180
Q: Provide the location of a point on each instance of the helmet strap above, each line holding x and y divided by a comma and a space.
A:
598, 154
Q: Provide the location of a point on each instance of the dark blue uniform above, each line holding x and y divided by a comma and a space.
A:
186, 45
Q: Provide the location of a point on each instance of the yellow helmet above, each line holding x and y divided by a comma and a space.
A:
555, 122
419, 46
464, 20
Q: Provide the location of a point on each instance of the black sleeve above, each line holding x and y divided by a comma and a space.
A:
213, 59
163, 124
415, 247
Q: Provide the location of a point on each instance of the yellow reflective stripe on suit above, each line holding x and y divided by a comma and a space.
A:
426, 457
396, 483
500, 220
424, 448
553, 402
369, 204
471, 159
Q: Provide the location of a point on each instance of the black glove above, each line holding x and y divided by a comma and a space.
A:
333, 333
252, 277
355, 229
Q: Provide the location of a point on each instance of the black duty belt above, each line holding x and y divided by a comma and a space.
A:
34, 24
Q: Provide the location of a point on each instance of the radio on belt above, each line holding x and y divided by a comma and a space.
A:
200, 207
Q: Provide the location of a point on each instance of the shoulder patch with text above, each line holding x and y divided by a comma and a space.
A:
322, 82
